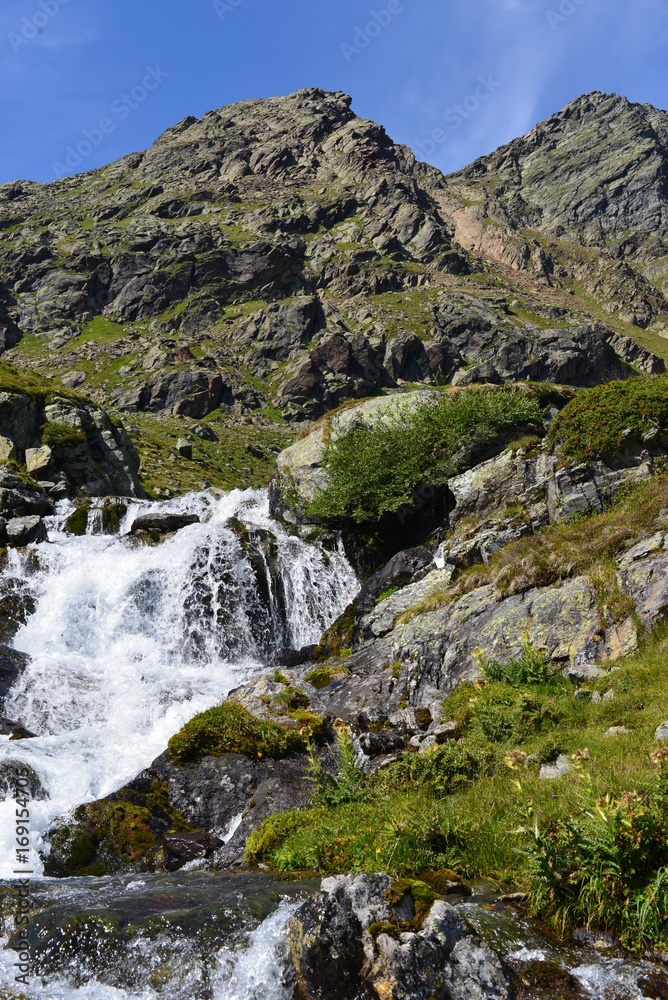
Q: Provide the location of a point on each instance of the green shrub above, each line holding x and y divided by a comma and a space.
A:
231, 728
606, 868
57, 435
533, 667
348, 782
376, 470
595, 422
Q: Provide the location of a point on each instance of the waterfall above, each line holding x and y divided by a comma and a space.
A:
130, 639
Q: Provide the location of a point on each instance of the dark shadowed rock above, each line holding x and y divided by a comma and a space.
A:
14, 730
181, 848
12, 665
163, 522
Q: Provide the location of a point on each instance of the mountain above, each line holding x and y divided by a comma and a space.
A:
260, 266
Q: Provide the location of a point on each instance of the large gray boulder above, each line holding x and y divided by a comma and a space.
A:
368, 936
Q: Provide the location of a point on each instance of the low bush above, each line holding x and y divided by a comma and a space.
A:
376, 470
600, 421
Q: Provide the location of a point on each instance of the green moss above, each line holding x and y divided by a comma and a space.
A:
324, 675
603, 420
384, 927
77, 522
423, 897
387, 593
231, 728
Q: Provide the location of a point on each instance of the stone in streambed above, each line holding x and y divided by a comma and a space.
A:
22, 531
14, 730
367, 936
12, 665
181, 848
163, 522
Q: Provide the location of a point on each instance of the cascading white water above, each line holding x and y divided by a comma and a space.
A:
128, 641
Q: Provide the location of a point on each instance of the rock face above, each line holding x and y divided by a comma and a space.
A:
352, 253
86, 451
367, 936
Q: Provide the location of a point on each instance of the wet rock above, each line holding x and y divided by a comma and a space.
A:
180, 849
398, 572
16, 775
22, 531
12, 665
14, 730
163, 523
3, 531
368, 936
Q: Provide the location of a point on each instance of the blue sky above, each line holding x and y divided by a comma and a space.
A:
139, 66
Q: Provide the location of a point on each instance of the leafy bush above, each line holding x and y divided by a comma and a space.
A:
376, 470
606, 868
533, 667
231, 728
344, 786
595, 422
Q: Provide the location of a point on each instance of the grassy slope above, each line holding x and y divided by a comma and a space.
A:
479, 806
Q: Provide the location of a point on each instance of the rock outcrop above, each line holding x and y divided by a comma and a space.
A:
368, 936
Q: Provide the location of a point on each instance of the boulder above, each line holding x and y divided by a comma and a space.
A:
559, 769
661, 735
12, 665
182, 848
39, 461
22, 531
368, 936
7, 450
184, 447
163, 523
14, 730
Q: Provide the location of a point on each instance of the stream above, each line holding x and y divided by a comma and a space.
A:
128, 641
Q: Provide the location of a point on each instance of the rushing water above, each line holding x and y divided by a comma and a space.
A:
128, 641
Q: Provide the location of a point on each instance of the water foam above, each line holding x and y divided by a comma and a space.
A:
128, 640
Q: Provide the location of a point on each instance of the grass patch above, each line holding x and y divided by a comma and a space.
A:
572, 549
601, 421
60, 436
590, 848
231, 728
102, 331
427, 446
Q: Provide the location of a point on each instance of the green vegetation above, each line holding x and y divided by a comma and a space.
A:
77, 522
102, 331
572, 549
59, 436
347, 784
601, 421
231, 728
376, 470
42, 389
324, 675
589, 848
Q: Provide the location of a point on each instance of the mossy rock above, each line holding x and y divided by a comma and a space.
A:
231, 728
77, 522
419, 896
